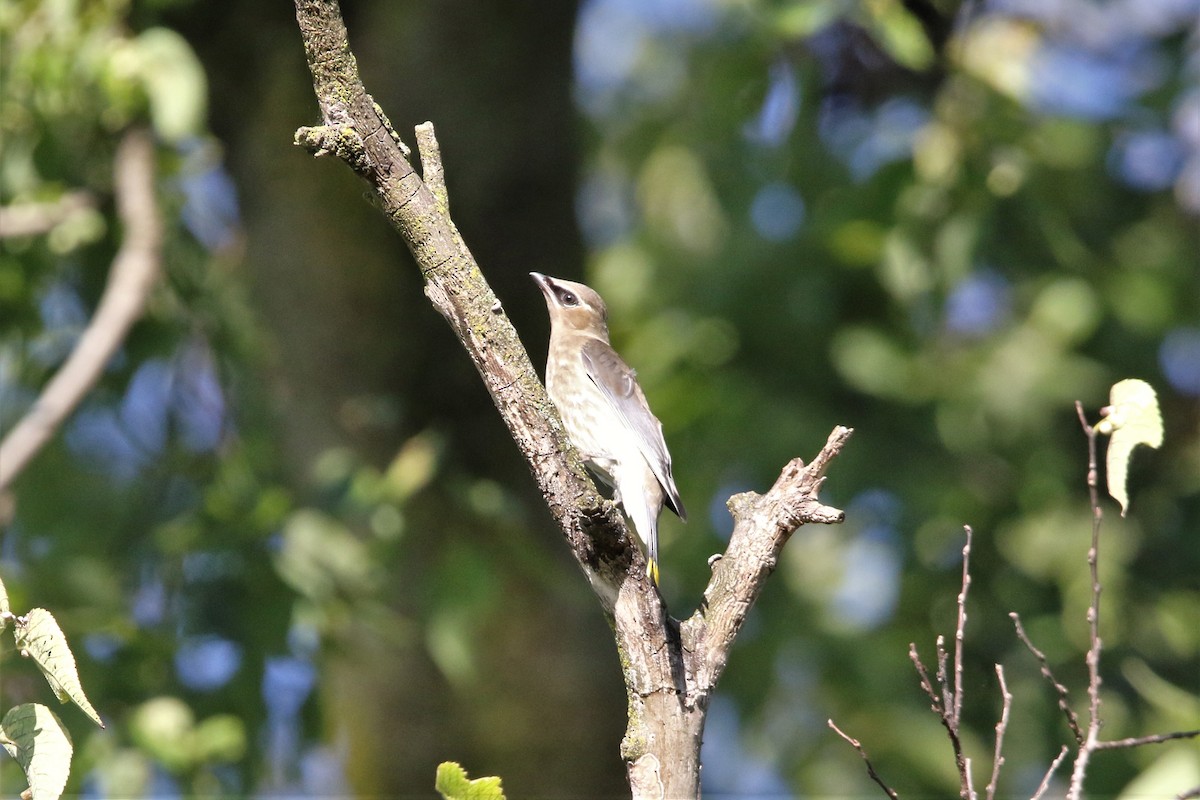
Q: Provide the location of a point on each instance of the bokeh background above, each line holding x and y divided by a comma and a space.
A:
298, 555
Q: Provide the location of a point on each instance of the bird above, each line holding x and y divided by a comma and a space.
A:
605, 411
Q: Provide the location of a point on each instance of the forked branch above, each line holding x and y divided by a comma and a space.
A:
670, 668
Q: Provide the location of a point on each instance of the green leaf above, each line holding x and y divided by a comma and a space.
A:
175, 83
899, 33
453, 784
1131, 418
165, 727
802, 19
34, 736
39, 637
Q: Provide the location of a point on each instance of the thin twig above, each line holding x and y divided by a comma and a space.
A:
870, 769
133, 273
1063, 698
1075, 790
944, 714
1138, 741
1054, 765
960, 629
1001, 727
937, 705
943, 658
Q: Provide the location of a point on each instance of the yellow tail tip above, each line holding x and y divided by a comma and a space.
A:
652, 570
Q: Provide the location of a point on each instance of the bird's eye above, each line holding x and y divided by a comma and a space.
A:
568, 298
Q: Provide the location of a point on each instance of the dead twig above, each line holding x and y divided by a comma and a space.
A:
870, 769
1063, 699
944, 712
1001, 727
1075, 790
1054, 765
948, 696
1138, 741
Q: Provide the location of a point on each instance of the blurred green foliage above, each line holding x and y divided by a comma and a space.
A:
293, 542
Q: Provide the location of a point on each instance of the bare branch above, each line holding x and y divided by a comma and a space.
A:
1054, 765
1063, 699
960, 628
947, 703
762, 526
937, 704
1075, 790
943, 677
1138, 741
1189, 794
133, 273
1001, 727
669, 668
870, 769
945, 714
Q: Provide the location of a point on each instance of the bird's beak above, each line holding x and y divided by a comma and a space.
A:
544, 283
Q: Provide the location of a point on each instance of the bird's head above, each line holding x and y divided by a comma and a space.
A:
573, 306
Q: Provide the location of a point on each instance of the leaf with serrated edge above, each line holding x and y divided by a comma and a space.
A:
39, 637
452, 783
1132, 418
38, 741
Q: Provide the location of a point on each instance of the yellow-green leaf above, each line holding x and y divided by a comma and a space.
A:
899, 33
175, 83
34, 736
1131, 418
39, 637
453, 784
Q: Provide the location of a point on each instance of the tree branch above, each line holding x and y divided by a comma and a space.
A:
1001, 727
1075, 790
1054, 765
1138, 741
356, 131
134, 272
947, 703
1063, 695
670, 668
762, 526
889, 791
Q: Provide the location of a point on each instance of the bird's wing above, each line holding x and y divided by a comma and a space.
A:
618, 383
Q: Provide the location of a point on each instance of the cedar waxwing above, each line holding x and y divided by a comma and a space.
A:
605, 413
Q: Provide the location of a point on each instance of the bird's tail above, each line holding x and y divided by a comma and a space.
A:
645, 522
643, 508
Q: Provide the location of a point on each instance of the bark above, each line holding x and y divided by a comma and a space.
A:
670, 668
